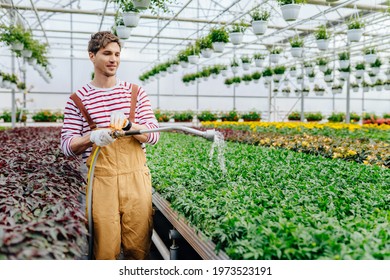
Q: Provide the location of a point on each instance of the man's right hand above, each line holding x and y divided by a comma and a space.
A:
101, 137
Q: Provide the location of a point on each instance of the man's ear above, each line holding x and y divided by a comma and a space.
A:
92, 56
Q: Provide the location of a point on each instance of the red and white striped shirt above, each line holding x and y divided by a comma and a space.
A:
100, 102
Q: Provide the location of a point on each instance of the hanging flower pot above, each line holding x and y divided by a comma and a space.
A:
175, 67
235, 69
359, 73
219, 47
344, 75
6, 84
375, 70
224, 72
183, 64
258, 62
366, 89
32, 61
296, 52
274, 57
17, 46
141, 4
344, 63
370, 58
319, 92
355, 89
322, 44
236, 37
328, 84
26, 53
290, 12
354, 35
323, 68
193, 59
246, 66
293, 73
123, 32
206, 53
131, 19
259, 26
214, 75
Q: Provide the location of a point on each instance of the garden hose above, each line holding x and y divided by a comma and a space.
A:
208, 134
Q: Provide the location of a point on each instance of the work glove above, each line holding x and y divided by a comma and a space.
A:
101, 137
119, 121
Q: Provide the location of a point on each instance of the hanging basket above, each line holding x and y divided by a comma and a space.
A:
131, 19
323, 68
359, 73
344, 63
319, 92
246, 66
290, 12
259, 62
274, 57
344, 75
26, 53
224, 72
370, 58
235, 69
259, 26
141, 4
375, 70
123, 32
218, 47
296, 52
206, 53
193, 59
322, 44
354, 35
236, 37
183, 64
17, 46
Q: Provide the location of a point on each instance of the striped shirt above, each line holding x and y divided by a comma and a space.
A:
100, 102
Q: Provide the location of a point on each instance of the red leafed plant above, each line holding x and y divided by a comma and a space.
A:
41, 216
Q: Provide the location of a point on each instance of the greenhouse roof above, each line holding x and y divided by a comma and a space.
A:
66, 26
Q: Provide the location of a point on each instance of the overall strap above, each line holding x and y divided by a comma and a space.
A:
83, 111
134, 95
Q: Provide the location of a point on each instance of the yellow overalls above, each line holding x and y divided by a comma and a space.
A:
121, 195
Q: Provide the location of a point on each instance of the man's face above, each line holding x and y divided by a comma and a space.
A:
106, 60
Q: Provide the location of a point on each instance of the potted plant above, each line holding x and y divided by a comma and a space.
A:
322, 63
370, 55
354, 117
293, 71
286, 91
355, 30
328, 75
224, 70
185, 116
205, 45
120, 29
259, 59
141, 4
234, 65
318, 90
278, 72
372, 76
308, 67
365, 86
344, 72
275, 55
247, 78
387, 84
219, 37
322, 38
336, 117
313, 117
300, 79
344, 59
375, 67
130, 13
306, 91
205, 73
360, 67
251, 116
355, 87
193, 53
294, 116
162, 116
337, 89
236, 33
236, 81
256, 76
296, 46
228, 82
290, 8
311, 76
215, 71
267, 74
206, 116
182, 57
379, 85
231, 116
259, 20
246, 62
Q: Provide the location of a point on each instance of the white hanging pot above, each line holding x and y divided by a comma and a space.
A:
259, 62
319, 92
306, 93
379, 87
285, 93
131, 19
247, 82
32, 61
296, 52
256, 81
366, 89
344, 75
123, 32
1, 80
375, 70
344, 63
259, 26
355, 89
184, 64
141, 4
23, 68
163, 73
290, 12
17, 46
329, 84
300, 81
214, 75
322, 44
205, 79
206, 53
277, 77
308, 70
387, 87
235, 69
218, 47
246, 66
370, 58
170, 69
236, 37
328, 78
224, 72
354, 35
359, 73
373, 79
175, 67
6, 84
274, 57
293, 73
323, 68
311, 79
26, 53
193, 59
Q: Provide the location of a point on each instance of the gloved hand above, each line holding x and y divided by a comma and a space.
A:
118, 120
101, 137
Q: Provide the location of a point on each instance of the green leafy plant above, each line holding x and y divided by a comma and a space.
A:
260, 14
206, 116
256, 75
360, 66
355, 23
344, 56
313, 116
231, 116
246, 59
238, 27
377, 63
276, 51
204, 43
296, 42
279, 70
185, 116
369, 50
258, 56
268, 72
336, 117
219, 35
322, 61
44, 116
247, 77
322, 33
286, 2
294, 116
251, 116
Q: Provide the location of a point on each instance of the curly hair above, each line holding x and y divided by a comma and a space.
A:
101, 40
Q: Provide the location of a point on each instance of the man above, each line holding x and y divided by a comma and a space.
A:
122, 195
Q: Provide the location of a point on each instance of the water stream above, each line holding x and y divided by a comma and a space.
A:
218, 144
